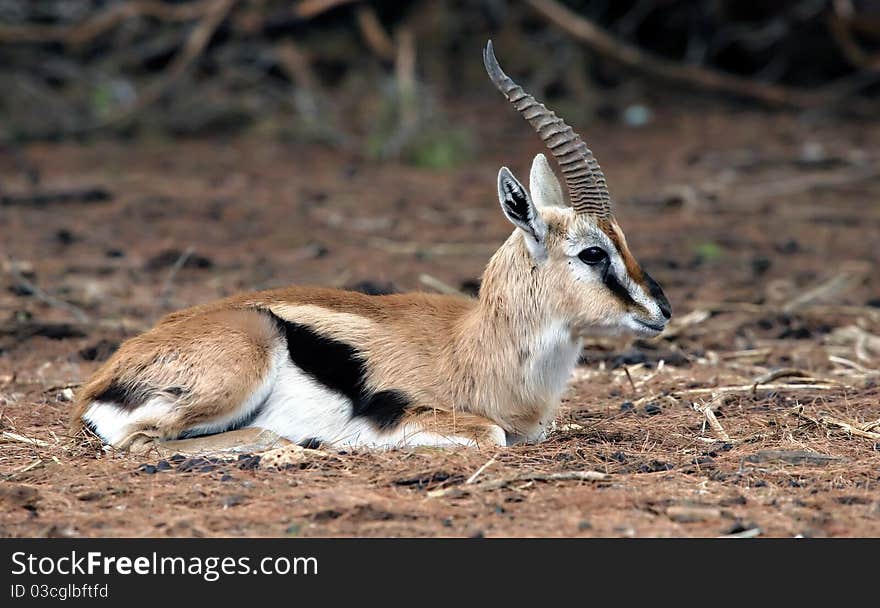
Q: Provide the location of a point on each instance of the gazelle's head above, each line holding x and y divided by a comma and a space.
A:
581, 266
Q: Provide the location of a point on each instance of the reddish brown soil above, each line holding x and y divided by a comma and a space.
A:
734, 213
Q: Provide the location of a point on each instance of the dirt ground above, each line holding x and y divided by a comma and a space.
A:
764, 230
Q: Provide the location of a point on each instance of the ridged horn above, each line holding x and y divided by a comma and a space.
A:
583, 177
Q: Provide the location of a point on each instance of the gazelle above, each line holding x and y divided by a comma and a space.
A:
347, 369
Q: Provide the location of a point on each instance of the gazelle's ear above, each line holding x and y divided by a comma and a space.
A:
521, 211
545, 188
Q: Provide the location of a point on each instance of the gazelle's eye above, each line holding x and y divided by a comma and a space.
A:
592, 255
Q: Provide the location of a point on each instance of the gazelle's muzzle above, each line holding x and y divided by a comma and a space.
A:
657, 293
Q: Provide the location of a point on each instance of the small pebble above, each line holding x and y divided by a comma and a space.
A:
637, 115
652, 409
690, 514
233, 500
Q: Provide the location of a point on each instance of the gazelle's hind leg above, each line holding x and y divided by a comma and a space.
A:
441, 428
192, 376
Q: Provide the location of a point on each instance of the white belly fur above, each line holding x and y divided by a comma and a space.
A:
300, 408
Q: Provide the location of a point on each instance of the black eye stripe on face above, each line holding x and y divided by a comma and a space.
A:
617, 289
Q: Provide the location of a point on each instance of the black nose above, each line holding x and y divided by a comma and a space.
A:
657, 293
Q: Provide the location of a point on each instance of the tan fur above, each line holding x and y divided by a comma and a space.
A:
218, 357
452, 424
467, 366
612, 229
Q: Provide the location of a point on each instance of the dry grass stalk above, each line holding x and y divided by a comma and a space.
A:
629, 377
787, 372
742, 388
440, 286
44, 297
864, 343
29, 440
832, 421
631, 56
846, 279
707, 410
439, 249
678, 325
476, 474
21, 471
496, 484
168, 284
306, 9
86, 31
374, 34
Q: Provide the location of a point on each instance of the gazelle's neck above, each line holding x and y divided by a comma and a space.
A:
517, 350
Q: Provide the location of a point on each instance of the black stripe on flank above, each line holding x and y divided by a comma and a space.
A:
341, 368
384, 408
121, 396
130, 397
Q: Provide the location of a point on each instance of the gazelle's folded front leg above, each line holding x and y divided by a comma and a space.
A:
434, 427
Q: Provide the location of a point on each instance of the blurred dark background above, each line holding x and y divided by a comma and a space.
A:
385, 79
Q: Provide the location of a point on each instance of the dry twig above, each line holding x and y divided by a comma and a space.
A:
415, 248
374, 34
745, 388
763, 190
44, 297
605, 44
306, 9
826, 421
29, 440
476, 474
787, 372
840, 22
708, 412
168, 284
849, 277
113, 15
440, 286
214, 13
496, 484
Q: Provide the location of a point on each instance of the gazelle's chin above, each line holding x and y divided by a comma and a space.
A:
626, 325
643, 328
